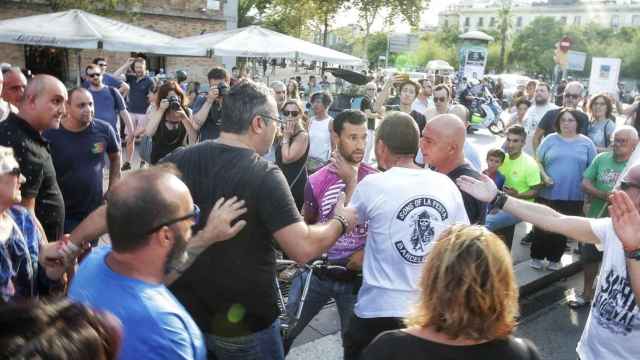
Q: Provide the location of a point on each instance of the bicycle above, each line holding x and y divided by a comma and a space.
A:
287, 323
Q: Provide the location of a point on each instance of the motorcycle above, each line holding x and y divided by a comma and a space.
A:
485, 113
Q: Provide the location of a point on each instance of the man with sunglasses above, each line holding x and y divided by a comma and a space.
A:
612, 330
149, 215
572, 98
108, 79
108, 103
442, 103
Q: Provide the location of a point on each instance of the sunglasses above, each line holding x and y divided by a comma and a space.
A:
572, 96
292, 113
102, 64
440, 99
94, 75
624, 185
195, 215
15, 172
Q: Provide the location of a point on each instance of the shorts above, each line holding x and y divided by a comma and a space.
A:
590, 254
139, 121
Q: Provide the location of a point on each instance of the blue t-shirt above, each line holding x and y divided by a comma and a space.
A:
108, 103
138, 91
565, 161
79, 158
155, 325
108, 80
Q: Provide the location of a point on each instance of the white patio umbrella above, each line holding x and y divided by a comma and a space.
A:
78, 29
255, 41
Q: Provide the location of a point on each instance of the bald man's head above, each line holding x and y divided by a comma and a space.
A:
14, 86
442, 142
140, 202
43, 103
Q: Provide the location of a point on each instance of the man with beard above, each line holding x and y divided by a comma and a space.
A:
41, 108
78, 149
532, 118
321, 194
406, 208
149, 215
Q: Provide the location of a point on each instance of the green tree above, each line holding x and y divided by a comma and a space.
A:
245, 7
505, 23
103, 7
533, 47
376, 47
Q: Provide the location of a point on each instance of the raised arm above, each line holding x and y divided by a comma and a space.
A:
626, 222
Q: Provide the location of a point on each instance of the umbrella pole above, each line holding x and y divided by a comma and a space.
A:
78, 59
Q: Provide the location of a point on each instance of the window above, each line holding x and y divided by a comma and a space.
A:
492, 22
480, 22
563, 20
467, 21
615, 21
519, 22
635, 20
577, 20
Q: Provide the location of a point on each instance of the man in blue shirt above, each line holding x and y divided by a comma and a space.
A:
108, 79
108, 103
78, 149
149, 215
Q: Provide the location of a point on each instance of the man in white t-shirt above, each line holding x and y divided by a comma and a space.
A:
535, 113
613, 328
424, 99
407, 208
320, 131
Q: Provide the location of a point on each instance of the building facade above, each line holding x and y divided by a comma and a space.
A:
469, 15
177, 18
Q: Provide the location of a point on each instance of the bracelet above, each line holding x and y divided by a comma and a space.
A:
343, 222
499, 200
284, 142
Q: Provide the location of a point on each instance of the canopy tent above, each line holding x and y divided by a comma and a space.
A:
77, 29
255, 41
437, 65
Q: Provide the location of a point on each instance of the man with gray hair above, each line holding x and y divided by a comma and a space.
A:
14, 85
279, 92
5, 106
572, 97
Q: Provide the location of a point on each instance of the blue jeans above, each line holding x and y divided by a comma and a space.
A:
321, 289
265, 344
500, 220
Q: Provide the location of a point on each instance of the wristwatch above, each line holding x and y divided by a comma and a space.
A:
633, 254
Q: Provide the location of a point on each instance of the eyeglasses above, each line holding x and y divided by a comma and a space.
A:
15, 172
102, 64
440, 99
624, 185
600, 103
94, 75
271, 117
195, 214
572, 96
292, 113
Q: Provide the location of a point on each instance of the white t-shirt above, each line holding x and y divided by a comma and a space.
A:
530, 123
421, 106
407, 209
320, 138
612, 330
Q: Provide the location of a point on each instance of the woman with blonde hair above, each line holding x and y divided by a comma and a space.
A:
292, 148
468, 304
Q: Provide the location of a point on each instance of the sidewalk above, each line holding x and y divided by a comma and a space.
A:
321, 339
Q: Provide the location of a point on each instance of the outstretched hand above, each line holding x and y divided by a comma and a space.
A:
625, 219
483, 190
219, 226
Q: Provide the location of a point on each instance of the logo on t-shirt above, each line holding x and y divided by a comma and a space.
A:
97, 148
615, 307
419, 215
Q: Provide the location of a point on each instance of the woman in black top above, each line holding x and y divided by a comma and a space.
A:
467, 307
293, 149
170, 125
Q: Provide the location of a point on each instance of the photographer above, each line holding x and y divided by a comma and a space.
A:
208, 117
170, 125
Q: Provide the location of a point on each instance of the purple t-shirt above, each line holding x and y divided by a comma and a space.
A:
320, 196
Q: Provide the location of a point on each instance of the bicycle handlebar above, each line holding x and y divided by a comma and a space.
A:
317, 264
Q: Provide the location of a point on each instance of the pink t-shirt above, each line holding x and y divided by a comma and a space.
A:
320, 196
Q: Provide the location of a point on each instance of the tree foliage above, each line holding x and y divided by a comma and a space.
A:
104, 7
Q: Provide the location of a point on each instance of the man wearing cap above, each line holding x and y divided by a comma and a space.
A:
406, 208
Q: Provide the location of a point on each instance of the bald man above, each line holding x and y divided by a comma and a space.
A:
442, 146
470, 153
572, 97
79, 149
40, 109
14, 86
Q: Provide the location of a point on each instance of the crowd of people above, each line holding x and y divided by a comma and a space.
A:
177, 259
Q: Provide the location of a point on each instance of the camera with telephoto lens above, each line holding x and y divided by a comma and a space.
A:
174, 103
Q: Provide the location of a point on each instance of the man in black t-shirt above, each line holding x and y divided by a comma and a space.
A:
207, 118
572, 97
442, 146
229, 289
41, 108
